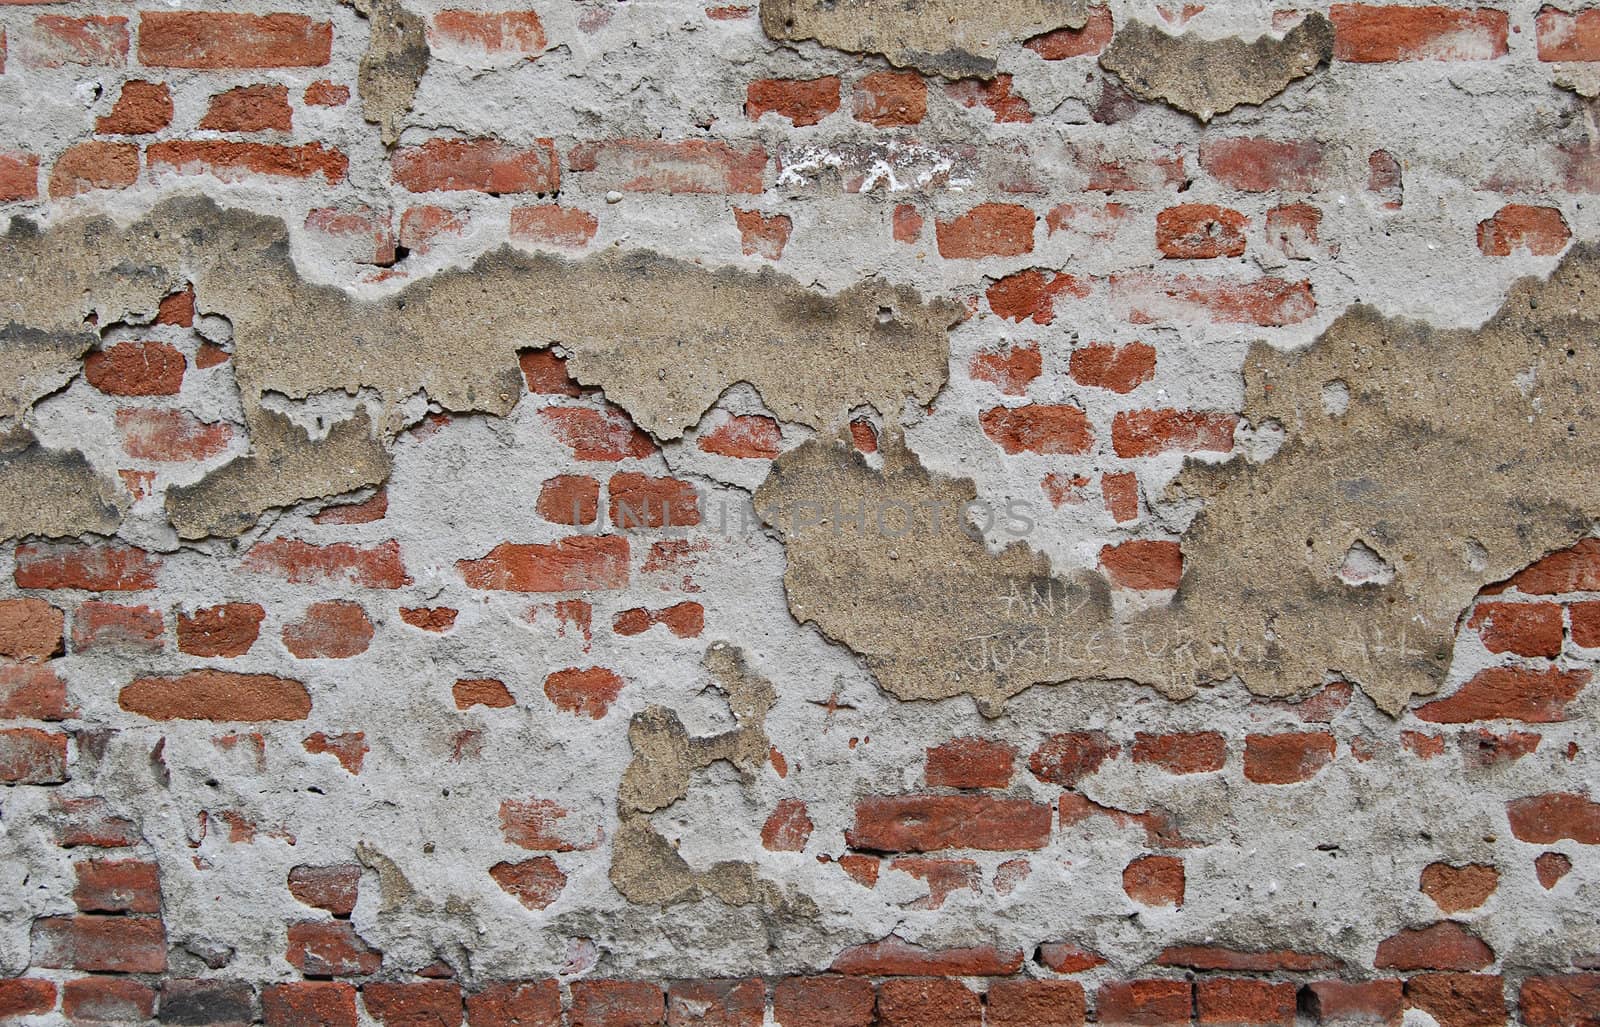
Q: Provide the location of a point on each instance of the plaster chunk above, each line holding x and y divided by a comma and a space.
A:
1207, 77
393, 66
952, 38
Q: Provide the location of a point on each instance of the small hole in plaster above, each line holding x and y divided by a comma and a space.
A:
1335, 398
1363, 566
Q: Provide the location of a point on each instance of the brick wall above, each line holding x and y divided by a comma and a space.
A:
380, 758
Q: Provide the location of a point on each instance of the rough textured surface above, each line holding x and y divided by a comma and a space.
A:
443, 572
1207, 77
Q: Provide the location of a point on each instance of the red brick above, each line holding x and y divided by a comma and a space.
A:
1575, 569
94, 568
1120, 369
1585, 624
332, 630
1031, 294
823, 1002
685, 620
171, 436
743, 437
1233, 1002
1136, 433
587, 691
90, 821
1200, 231
487, 692
29, 756
1551, 867
19, 176
1196, 752
235, 162
211, 39
1215, 957
1560, 1000
26, 996
117, 886
413, 1003
362, 234
658, 166
323, 93
717, 1003
890, 98
112, 1000
1149, 298
1542, 231
1509, 693
32, 692
551, 224
535, 824
141, 108
1066, 758
1553, 817
995, 94
1345, 1002
430, 618
1459, 1000
305, 563
1368, 33
331, 948
1121, 494
420, 226
94, 165
1038, 428
762, 235
788, 828
229, 629
1568, 37
893, 957
970, 763
1442, 946
1454, 888
1025, 1003
254, 108
217, 695
115, 944
57, 40
1426, 746
546, 373
364, 512
1067, 958
1287, 758
577, 564
210, 1001
309, 1004
1527, 629
516, 1004
802, 101
1146, 1003
1259, 165
1087, 41
1009, 370
920, 1001
1293, 229
638, 500
929, 823
30, 629
1154, 881
519, 33
136, 369
608, 434
987, 230
1143, 564
333, 887
603, 1003
907, 223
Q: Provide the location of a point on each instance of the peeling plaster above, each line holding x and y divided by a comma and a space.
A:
1441, 464
1207, 77
393, 66
952, 38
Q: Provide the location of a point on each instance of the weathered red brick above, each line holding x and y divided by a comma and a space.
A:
996, 94
255, 108
1217, 957
1031, 294
306, 563
717, 1003
1121, 494
1039, 428
26, 996
1551, 867
788, 828
1553, 817
1195, 752
1341, 1002
332, 630
228, 629
516, 1004
893, 957
1121, 369
58, 40
1028, 1003
90, 821
1010, 369
823, 1002
114, 944
587, 691
33, 692
802, 101
141, 108
603, 1003
94, 165
1136, 433
1143, 564
1145, 1003
1287, 758
430, 618
762, 235
112, 1000
591, 434
551, 224
1370, 33
1154, 881
743, 437
309, 1004
374, 508
1568, 37
214, 39
106, 567
117, 886
970, 763
1087, 41
519, 33
1234, 1001
577, 564
136, 369
890, 98
987, 230
1442, 946
331, 948
19, 176
1459, 1000
1542, 231
333, 887
1560, 1000
30, 629
1293, 229
1200, 231
170, 436
217, 695
1527, 629
1066, 758
1509, 693
919, 1001
1454, 888
413, 1003
1259, 165
1151, 298
928, 823
1574, 569
229, 161
659, 166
